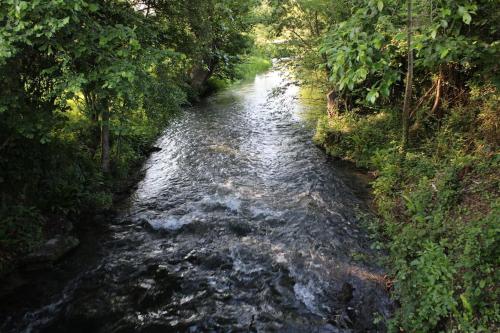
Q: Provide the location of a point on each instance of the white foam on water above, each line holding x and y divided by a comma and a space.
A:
169, 223
280, 258
246, 268
305, 294
233, 204
279, 254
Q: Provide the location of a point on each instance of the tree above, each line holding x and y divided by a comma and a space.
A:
86, 87
211, 33
304, 23
409, 77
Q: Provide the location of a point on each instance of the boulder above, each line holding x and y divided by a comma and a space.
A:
51, 251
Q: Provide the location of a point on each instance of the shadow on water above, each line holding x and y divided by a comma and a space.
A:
240, 224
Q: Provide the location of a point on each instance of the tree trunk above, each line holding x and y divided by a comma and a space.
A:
91, 105
199, 77
105, 150
332, 105
438, 92
409, 79
328, 69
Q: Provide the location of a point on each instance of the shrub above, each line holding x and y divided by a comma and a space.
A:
439, 208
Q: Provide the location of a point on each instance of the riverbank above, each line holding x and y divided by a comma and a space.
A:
438, 210
31, 278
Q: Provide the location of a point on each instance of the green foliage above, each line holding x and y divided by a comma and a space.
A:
356, 137
298, 27
90, 80
366, 52
426, 285
361, 55
439, 209
252, 66
479, 264
211, 33
21, 227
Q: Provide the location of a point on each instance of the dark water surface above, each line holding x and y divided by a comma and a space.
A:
240, 225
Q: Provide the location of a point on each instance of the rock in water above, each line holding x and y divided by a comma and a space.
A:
346, 293
153, 150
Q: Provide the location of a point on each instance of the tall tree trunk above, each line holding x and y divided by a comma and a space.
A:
328, 69
105, 150
409, 79
93, 109
437, 98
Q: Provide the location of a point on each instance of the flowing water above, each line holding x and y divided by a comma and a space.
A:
240, 224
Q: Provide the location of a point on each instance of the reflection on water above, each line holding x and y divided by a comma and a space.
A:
313, 100
240, 224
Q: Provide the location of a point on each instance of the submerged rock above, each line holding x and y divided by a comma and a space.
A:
217, 261
240, 228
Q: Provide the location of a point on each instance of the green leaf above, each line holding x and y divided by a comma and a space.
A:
466, 18
102, 40
134, 43
380, 5
400, 36
65, 21
385, 91
372, 96
444, 52
446, 12
361, 74
466, 304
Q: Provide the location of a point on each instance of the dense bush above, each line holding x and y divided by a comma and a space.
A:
439, 207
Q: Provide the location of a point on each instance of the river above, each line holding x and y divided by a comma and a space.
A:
240, 224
